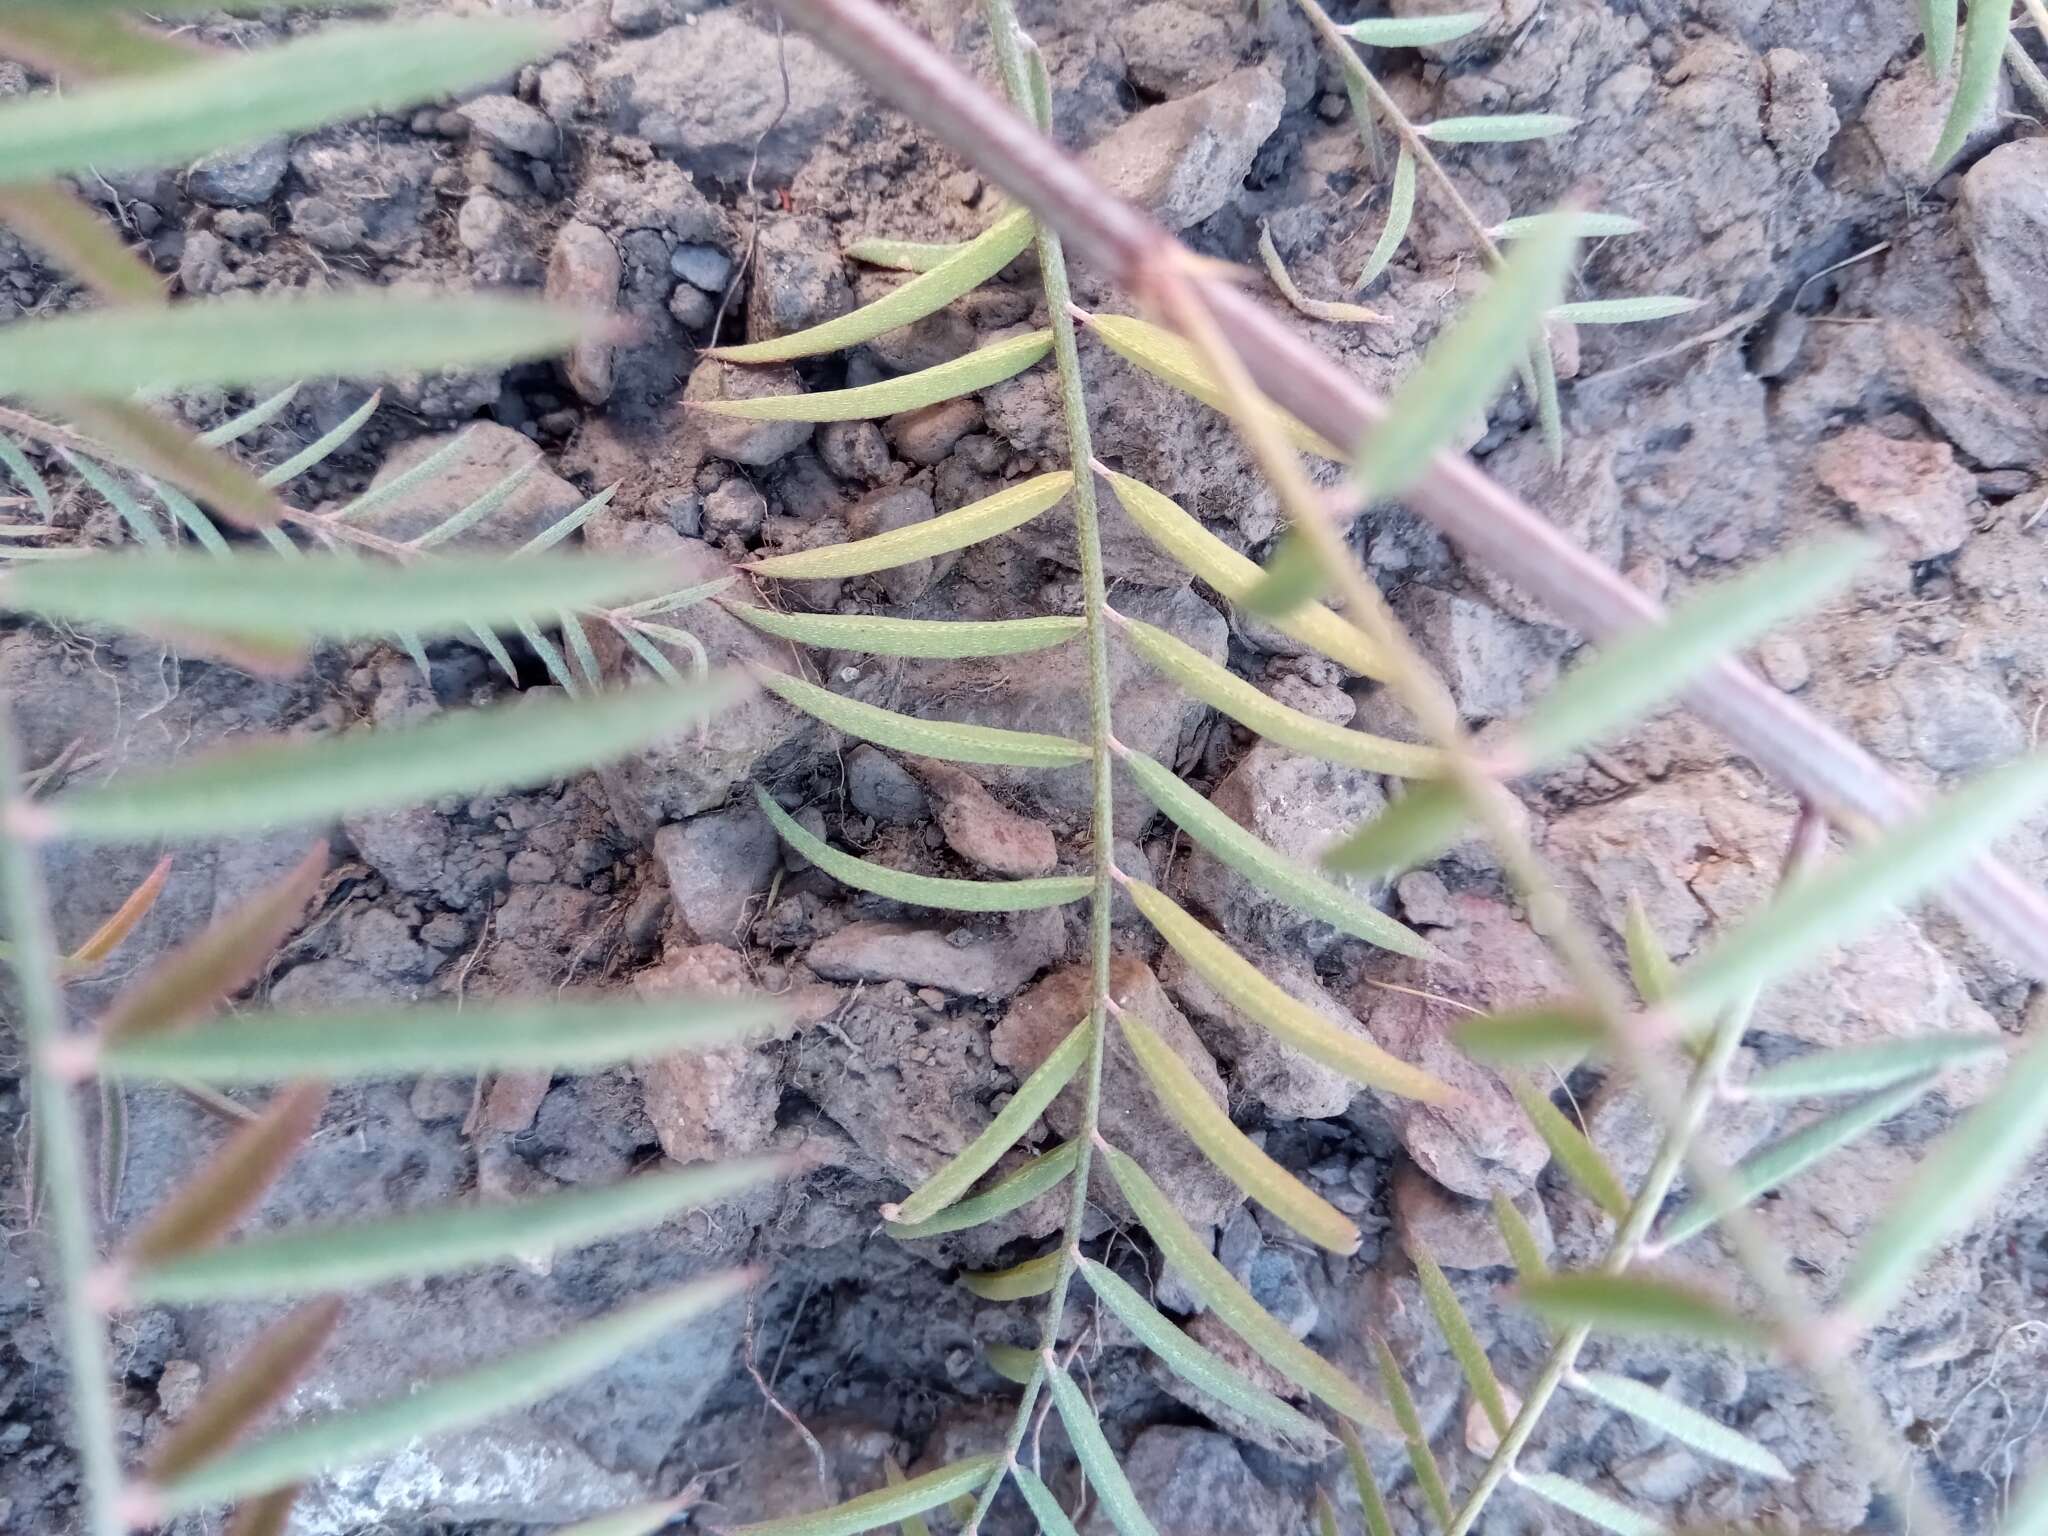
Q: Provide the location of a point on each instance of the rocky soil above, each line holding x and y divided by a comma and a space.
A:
1872, 351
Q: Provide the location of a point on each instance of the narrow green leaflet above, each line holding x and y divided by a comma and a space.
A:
1506, 128
1938, 26
1962, 1175
261, 414
1400, 213
2027, 72
928, 639
1008, 508
1034, 1277
1785, 1159
904, 255
1585, 223
962, 376
909, 1525
326, 445
1027, 1183
346, 1256
1045, 1509
1223, 689
1850, 894
1521, 1241
1301, 888
1649, 963
1428, 1476
1556, 1035
1626, 311
1376, 1521
1205, 556
1457, 1331
1097, 1460
1608, 1514
1425, 821
1663, 1412
963, 271
1316, 309
1579, 1158
1466, 366
1252, 993
238, 97
422, 473
468, 516
871, 1510
1268, 1338
1549, 413
570, 521
1415, 31
81, 242
1165, 356
112, 353
1984, 38
926, 738
640, 1520
16, 464
1631, 1304
343, 1438
1193, 1363
1859, 1068
556, 1034
1012, 1363
1236, 1154
279, 781
1011, 1122
323, 597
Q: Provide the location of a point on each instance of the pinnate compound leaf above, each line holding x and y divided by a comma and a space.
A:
1026, 1183
1301, 888
1688, 1425
1504, 128
1466, 366
1608, 1514
1165, 356
1202, 554
1520, 1239
1400, 214
1045, 1509
944, 739
1879, 1064
302, 1260
555, 1034
237, 98
1233, 1152
1428, 1476
1628, 311
1008, 508
1634, 1304
1012, 1121
1984, 39
1860, 889
220, 960
1253, 994
1649, 962
210, 1202
962, 376
927, 639
1457, 1331
961, 272
1267, 1337
640, 1520
904, 255
1426, 820
1785, 1159
1193, 1363
347, 1437
1034, 1277
156, 446
871, 1510
1415, 31
111, 934
255, 1383
276, 782
111, 353
1577, 1155
1097, 1460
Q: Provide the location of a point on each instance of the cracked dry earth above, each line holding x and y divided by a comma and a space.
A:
1872, 351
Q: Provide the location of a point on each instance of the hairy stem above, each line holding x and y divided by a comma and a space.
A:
61, 1144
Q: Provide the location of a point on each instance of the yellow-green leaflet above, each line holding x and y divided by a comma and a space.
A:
1165, 356
1222, 689
912, 1524
1249, 1168
1878, 1064
1598, 1508
1415, 31
1012, 1363
1710, 1437
1579, 1158
1457, 1330
1626, 311
904, 255
1027, 1183
1506, 128
965, 269
1316, 309
962, 376
1425, 821
1376, 1521
1984, 35
1014, 1119
1246, 989
1559, 1035
1649, 963
1097, 1460
1428, 1476
929, 639
1045, 1509
1400, 210
1633, 1304
1938, 26
927, 738
1301, 888
1204, 555
1268, 1338
923, 890
640, 1520
1521, 1241
1586, 223
911, 1497
1034, 1277
1006, 509
1193, 1363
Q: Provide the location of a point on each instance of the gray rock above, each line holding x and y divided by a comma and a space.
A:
703, 266
1799, 116
1424, 899
497, 242
660, 196
489, 453
885, 511
562, 90
2004, 218
1494, 664
1955, 722
204, 265
882, 788
1913, 492
1171, 47
1904, 118
362, 194
995, 963
509, 124
1194, 1480
1184, 159
1460, 1233
1269, 1272
655, 89
692, 308
1992, 425
796, 281
982, 830
734, 510
715, 864
584, 273
854, 450
926, 436
240, 178
753, 443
